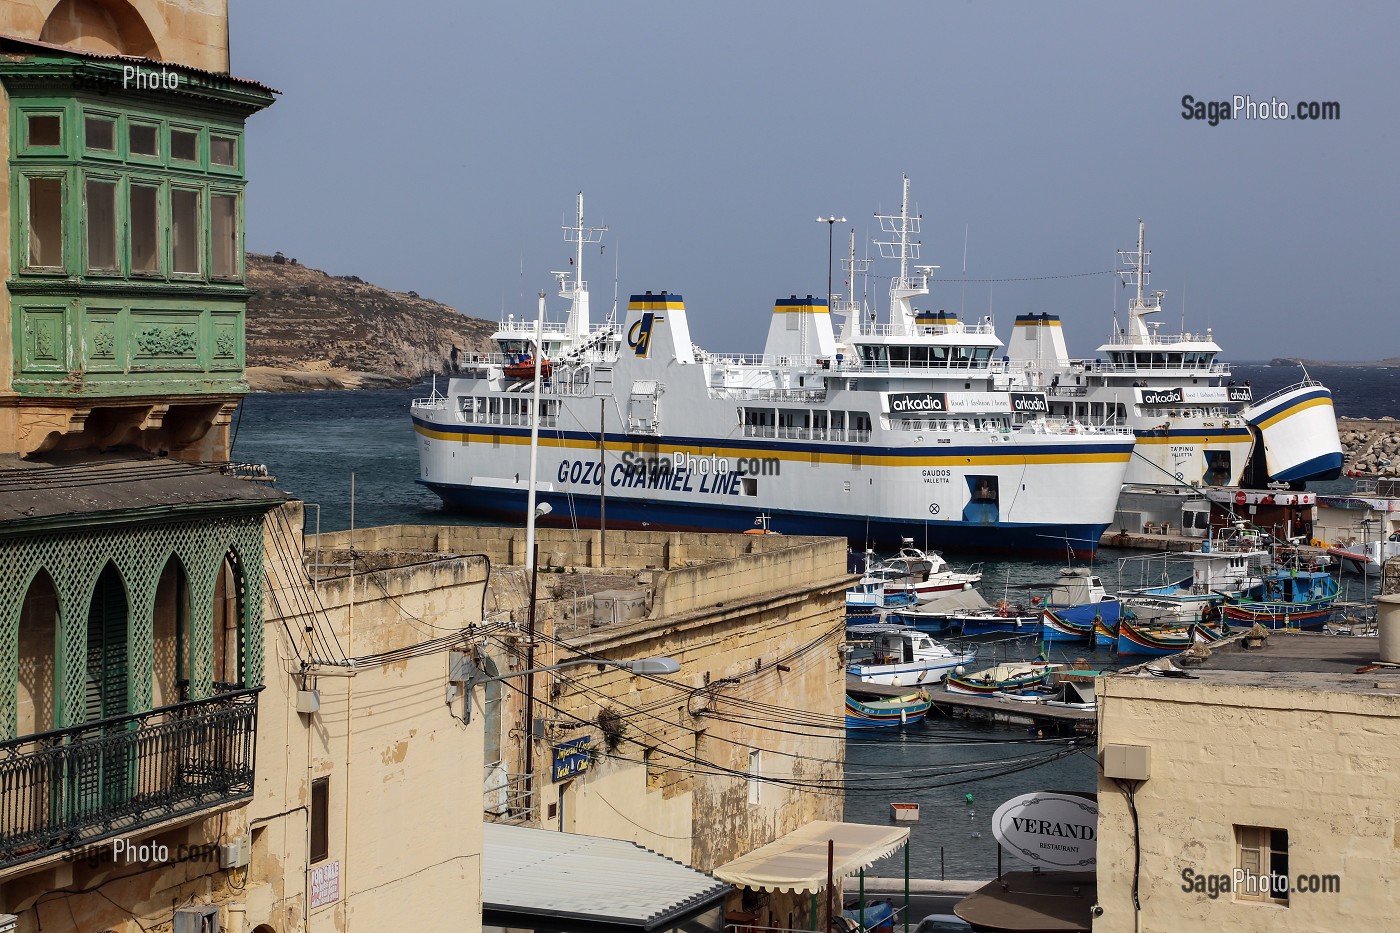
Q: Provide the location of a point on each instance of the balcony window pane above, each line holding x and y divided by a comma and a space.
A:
184, 230
223, 150
46, 223
184, 145
144, 221
44, 130
101, 226
101, 134
143, 140
223, 221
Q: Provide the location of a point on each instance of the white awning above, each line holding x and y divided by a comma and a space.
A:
797, 862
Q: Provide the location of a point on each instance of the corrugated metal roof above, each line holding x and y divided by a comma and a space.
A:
97, 56
588, 878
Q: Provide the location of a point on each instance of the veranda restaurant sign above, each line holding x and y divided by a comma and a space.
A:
1051, 830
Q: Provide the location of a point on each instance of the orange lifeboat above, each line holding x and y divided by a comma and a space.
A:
525, 369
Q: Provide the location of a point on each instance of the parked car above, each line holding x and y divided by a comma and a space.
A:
943, 923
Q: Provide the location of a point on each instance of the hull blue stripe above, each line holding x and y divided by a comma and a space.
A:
508, 505
1327, 466
1289, 402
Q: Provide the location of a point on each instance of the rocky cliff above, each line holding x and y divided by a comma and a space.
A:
311, 330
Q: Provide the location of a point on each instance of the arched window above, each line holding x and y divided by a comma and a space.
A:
170, 681
106, 693
38, 648
110, 27
229, 609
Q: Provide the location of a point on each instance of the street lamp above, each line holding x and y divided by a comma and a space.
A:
831, 223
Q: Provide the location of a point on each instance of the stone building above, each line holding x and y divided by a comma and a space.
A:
741, 747
1267, 797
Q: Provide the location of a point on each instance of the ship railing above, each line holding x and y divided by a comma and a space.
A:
527, 327
1123, 339
1067, 391
435, 402
953, 424
769, 395
1305, 384
923, 330
507, 420
1156, 369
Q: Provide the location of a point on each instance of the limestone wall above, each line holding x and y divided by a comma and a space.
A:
1325, 766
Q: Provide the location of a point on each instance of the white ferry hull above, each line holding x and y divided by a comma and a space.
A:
1050, 492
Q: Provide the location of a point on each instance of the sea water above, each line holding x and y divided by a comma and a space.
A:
314, 441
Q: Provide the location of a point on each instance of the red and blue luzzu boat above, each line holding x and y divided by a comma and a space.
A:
1098, 631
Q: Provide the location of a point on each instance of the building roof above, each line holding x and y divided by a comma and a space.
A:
798, 861
93, 487
39, 45
1288, 661
589, 879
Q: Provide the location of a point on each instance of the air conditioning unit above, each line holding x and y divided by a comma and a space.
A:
202, 919
8, 923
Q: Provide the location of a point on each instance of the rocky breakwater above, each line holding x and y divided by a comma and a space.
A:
1371, 447
311, 330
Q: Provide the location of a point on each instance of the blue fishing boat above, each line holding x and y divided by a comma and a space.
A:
1076, 606
894, 713
1289, 597
1156, 640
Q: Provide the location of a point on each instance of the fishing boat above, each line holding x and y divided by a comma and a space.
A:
1076, 605
922, 575
1097, 632
1194, 426
1011, 677
1229, 562
1288, 597
868, 597
898, 656
1066, 695
1365, 558
1153, 639
936, 615
895, 713
1002, 619
877, 431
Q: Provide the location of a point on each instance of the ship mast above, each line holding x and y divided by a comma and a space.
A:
905, 249
1136, 273
576, 291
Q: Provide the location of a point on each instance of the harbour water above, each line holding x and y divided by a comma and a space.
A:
313, 442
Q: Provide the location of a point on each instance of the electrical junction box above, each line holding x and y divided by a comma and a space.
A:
308, 701
1127, 762
236, 854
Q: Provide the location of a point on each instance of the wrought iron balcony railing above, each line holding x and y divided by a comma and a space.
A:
71, 787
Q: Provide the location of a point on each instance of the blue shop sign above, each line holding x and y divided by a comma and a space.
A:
571, 757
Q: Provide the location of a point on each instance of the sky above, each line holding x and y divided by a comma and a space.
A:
438, 146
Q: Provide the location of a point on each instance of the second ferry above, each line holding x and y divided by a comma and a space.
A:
879, 431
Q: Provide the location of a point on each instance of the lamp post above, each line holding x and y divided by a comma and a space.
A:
831, 223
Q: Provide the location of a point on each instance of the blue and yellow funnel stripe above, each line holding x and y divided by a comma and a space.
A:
809, 304
658, 302
935, 318
1034, 320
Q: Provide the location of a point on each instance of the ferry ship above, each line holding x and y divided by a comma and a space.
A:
906, 429
1194, 426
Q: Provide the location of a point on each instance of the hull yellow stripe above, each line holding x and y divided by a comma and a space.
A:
794, 456
1289, 412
